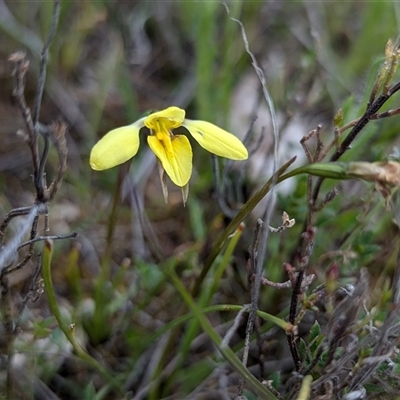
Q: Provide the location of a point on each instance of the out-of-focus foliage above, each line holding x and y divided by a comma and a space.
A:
113, 62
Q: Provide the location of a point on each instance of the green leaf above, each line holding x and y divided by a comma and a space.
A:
315, 331
396, 369
315, 338
225, 350
275, 379
89, 392
42, 328
302, 348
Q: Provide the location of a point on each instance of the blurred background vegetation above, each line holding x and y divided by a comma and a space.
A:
113, 61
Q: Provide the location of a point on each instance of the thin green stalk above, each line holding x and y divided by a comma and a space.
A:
73, 276
333, 170
376, 171
68, 329
329, 170
193, 326
236, 221
218, 307
224, 262
206, 295
325, 170
305, 389
226, 352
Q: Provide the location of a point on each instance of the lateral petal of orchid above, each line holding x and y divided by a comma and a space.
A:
116, 147
178, 163
172, 117
216, 140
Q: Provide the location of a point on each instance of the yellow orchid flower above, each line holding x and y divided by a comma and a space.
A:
173, 151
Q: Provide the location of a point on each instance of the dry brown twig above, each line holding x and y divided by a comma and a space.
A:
55, 133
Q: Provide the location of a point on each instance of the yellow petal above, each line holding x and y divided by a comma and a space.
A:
171, 117
177, 162
216, 140
116, 147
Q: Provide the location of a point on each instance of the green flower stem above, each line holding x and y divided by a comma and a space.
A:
327, 170
224, 262
206, 295
240, 216
218, 307
333, 170
226, 352
69, 329
341, 170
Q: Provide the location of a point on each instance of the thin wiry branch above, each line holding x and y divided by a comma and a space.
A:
369, 115
58, 130
271, 203
21, 67
11, 248
9, 251
11, 215
254, 300
54, 237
